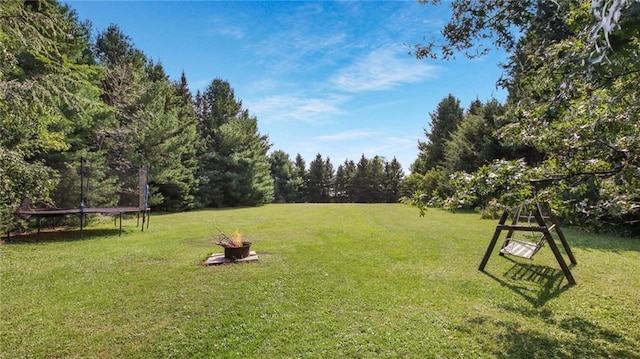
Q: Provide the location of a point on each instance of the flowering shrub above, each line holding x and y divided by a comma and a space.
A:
504, 182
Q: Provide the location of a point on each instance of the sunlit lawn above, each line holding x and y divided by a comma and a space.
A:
332, 281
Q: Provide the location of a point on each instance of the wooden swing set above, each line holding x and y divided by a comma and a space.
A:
532, 218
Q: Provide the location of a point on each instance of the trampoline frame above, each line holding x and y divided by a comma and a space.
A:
143, 208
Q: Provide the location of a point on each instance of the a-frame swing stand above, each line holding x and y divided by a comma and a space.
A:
526, 249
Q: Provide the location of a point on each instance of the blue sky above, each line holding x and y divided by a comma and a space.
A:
333, 78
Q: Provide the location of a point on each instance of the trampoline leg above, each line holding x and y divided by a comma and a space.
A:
39, 221
120, 223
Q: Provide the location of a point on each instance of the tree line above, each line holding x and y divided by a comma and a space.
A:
370, 180
571, 116
70, 97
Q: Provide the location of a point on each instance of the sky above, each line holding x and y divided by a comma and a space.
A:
321, 77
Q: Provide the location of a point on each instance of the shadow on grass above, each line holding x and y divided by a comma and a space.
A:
602, 242
63, 235
568, 337
537, 284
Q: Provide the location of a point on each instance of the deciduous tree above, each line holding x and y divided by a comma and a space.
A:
572, 80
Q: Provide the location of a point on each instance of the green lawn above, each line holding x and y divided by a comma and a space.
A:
332, 281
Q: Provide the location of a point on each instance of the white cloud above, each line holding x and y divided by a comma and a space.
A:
287, 52
296, 108
221, 27
345, 136
383, 69
231, 31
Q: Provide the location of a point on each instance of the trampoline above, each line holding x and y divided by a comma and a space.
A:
142, 210
117, 212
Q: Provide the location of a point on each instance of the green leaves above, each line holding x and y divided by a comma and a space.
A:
41, 71
417, 199
572, 81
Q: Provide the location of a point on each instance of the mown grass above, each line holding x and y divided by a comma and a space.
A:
332, 281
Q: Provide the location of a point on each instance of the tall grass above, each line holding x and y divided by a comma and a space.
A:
332, 281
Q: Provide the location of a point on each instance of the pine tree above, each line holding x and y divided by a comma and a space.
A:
344, 181
300, 178
393, 181
443, 122
282, 174
234, 167
328, 181
316, 187
166, 139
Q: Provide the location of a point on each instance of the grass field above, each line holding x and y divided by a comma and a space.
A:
332, 281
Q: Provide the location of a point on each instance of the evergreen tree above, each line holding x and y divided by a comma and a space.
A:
393, 181
153, 124
183, 195
340, 185
465, 150
476, 108
344, 181
234, 167
300, 178
367, 184
285, 186
123, 85
376, 182
328, 180
166, 139
443, 122
316, 177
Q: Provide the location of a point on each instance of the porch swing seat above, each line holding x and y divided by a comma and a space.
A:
524, 249
520, 248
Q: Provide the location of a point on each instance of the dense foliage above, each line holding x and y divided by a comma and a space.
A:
102, 110
70, 100
45, 75
82, 109
573, 101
